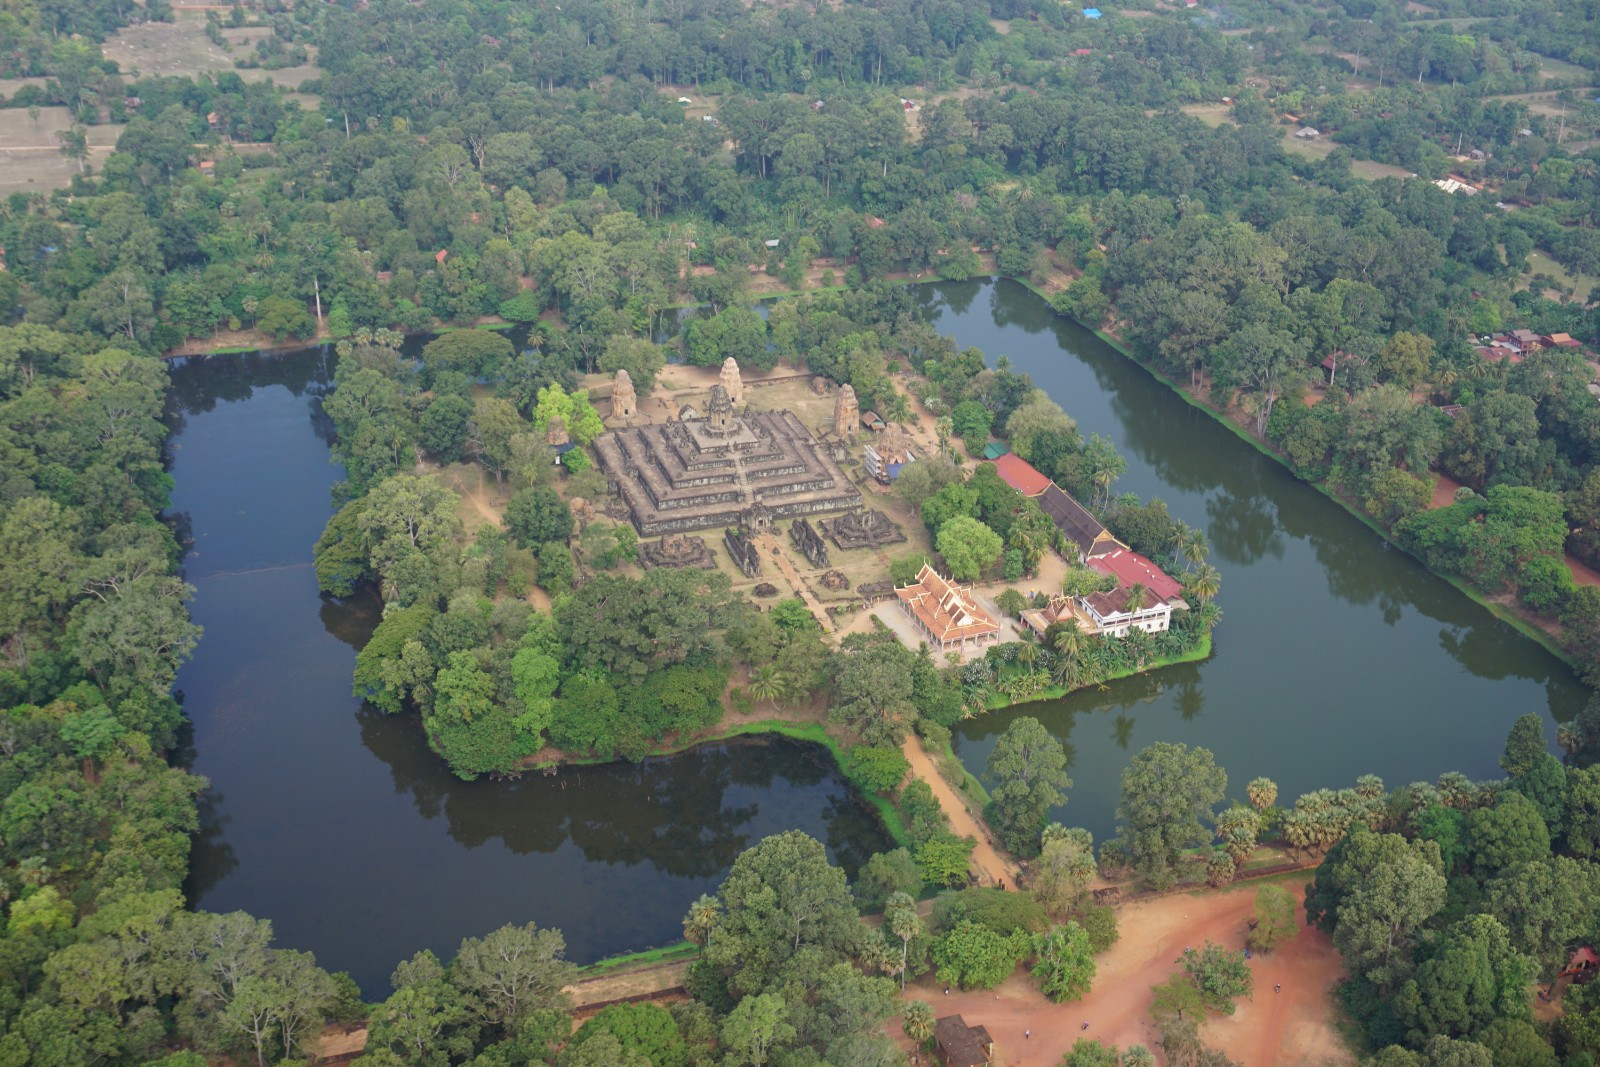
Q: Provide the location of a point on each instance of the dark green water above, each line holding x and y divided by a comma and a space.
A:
1337, 656
337, 823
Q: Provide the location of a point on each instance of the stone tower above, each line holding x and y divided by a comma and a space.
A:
720, 418
732, 384
555, 433
846, 413
624, 401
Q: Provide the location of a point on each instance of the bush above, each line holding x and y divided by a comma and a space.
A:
944, 858
1099, 921
883, 875
877, 768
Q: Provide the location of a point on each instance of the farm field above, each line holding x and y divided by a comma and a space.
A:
182, 48
30, 157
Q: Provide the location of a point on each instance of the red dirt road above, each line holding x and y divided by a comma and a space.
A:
1292, 1027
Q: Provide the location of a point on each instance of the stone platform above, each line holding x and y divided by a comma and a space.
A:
705, 472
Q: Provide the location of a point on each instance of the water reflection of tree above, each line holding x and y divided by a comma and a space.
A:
211, 858
1243, 528
674, 814
352, 619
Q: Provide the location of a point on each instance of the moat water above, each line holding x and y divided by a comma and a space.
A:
336, 822
1336, 657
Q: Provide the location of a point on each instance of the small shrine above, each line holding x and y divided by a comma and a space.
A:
809, 542
743, 550
676, 551
862, 528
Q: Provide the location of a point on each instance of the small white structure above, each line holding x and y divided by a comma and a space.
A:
1308, 133
1453, 185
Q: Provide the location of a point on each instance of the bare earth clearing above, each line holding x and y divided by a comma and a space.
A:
30, 153
1295, 1026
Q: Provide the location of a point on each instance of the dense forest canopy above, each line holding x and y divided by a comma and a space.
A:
583, 167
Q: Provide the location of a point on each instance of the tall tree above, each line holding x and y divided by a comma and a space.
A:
1028, 767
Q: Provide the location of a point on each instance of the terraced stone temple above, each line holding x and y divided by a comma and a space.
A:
725, 468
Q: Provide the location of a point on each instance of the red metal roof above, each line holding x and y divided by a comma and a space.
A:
1020, 475
1127, 567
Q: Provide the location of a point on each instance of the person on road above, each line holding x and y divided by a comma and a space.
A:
1278, 987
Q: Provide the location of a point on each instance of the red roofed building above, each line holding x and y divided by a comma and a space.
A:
1021, 475
1127, 567
945, 613
439, 256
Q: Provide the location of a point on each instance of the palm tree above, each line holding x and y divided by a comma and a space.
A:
1136, 597
1208, 616
1027, 652
1138, 642
1263, 792
1195, 549
1205, 582
1570, 738
1068, 639
702, 919
919, 1022
768, 683
942, 428
900, 916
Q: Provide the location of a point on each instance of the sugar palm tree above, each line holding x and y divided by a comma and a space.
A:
919, 1022
702, 919
1570, 738
1263, 793
900, 916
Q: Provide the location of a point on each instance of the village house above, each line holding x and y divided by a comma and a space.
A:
947, 615
960, 1045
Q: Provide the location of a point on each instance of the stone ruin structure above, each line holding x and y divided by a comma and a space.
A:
766, 590
863, 528
555, 433
743, 550
624, 400
676, 550
846, 413
809, 542
724, 468
820, 385
731, 383
835, 581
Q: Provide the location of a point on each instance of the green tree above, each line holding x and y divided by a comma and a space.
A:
754, 1028
1276, 920
1474, 977
1061, 875
901, 919
1524, 745
538, 515
474, 353
884, 875
1028, 767
514, 972
647, 1029
968, 546
1168, 791
919, 1022
785, 905
974, 956
1220, 974
1375, 892
1505, 835
1063, 963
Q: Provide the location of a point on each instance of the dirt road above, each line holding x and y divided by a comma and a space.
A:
986, 859
1292, 1027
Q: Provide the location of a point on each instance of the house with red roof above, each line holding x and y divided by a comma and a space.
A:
1115, 611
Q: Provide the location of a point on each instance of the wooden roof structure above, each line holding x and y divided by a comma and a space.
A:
944, 610
1075, 521
961, 1045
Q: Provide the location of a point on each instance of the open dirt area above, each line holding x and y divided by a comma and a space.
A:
182, 48
991, 867
30, 154
1322, 147
1297, 1026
